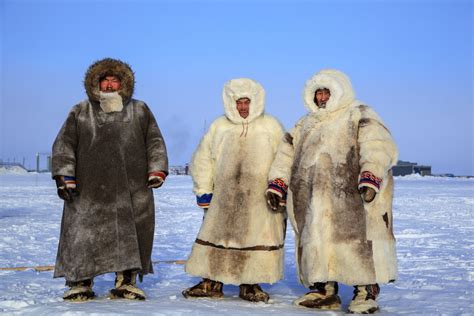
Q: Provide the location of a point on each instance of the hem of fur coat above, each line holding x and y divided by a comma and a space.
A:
385, 266
68, 277
260, 266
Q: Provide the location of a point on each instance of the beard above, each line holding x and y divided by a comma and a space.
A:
322, 105
110, 102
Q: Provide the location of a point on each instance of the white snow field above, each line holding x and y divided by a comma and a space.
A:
434, 227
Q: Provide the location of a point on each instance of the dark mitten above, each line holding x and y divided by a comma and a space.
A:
276, 195
273, 200
156, 179
155, 182
66, 187
369, 185
368, 194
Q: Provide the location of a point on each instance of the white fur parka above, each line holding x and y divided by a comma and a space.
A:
322, 159
241, 238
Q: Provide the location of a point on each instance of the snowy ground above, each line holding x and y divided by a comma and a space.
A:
434, 227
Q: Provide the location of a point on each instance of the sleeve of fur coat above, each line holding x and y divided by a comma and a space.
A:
64, 148
378, 152
281, 166
275, 129
155, 146
202, 165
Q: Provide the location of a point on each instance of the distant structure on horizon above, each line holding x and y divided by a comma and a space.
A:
403, 168
46, 168
48, 162
179, 170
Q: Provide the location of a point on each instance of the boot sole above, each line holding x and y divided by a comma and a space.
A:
117, 293
80, 297
331, 303
189, 296
255, 300
369, 311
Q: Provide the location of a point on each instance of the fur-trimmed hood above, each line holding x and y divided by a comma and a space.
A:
243, 88
342, 93
111, 67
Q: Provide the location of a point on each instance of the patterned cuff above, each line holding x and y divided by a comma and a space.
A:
367, 179
157, 174
204, 200
278, 187
70, 182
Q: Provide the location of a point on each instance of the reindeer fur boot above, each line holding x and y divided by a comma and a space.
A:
79, 291
253, 293
364, 300
206, 288
125, 286
323, 295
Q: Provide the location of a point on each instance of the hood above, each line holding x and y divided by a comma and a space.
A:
342, 94
243, 88
111, 67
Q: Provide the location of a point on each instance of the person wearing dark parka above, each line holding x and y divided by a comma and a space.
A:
107, 158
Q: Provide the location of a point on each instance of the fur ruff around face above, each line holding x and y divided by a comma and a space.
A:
243, 88
338, 84
111, 67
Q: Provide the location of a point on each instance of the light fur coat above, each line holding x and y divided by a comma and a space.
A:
338, 236
241, 239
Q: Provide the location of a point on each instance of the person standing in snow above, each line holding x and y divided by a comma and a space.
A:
241, 239
107, 157
337, 163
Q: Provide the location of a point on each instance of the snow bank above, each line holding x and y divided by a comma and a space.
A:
418, 177
12, 170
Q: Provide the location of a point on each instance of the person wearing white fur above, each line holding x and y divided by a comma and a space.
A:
337, 163
241, 239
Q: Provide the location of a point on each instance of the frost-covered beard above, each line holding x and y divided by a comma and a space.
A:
110, 102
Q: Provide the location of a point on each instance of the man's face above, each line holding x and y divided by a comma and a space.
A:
109, 84
243, 106
322, 96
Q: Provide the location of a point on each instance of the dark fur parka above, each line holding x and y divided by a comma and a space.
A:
109, 226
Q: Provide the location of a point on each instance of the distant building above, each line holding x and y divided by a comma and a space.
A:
179, 170
48, 162
404, 168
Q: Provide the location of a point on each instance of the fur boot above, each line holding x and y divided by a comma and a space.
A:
364, 300
253, 293
125, 286
323, 295
79, 291
205, 288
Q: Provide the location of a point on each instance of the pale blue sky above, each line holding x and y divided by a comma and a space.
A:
410, 60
